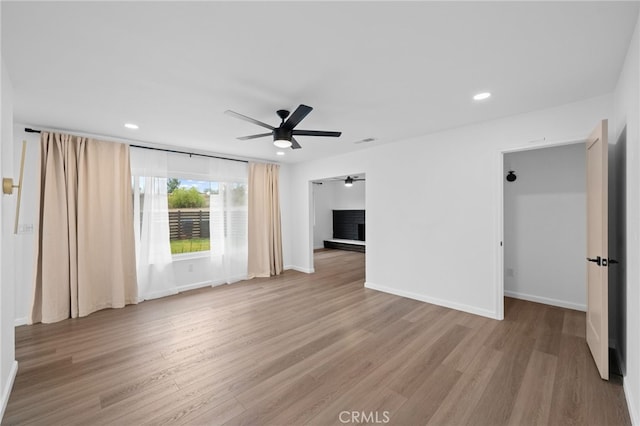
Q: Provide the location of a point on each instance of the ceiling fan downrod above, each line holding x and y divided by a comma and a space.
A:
283, 114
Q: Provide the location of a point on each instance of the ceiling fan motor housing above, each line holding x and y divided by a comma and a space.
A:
282, 133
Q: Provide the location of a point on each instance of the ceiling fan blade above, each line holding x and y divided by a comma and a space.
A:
298, 115
249, 119
261, 135
316, 133
295, 144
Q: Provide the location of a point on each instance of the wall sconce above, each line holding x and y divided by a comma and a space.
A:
7, 187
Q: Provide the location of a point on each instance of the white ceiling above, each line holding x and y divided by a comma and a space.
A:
387, 70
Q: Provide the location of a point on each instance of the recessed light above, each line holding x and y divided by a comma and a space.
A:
280, 153
131, 126
482, 96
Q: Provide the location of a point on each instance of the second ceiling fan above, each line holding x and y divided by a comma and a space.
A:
348, 182
283, 135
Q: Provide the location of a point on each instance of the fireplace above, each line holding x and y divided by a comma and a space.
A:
349, 225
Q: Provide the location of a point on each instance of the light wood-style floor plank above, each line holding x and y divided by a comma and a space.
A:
534, 398
312, 349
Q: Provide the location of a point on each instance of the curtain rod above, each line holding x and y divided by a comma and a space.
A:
29, 130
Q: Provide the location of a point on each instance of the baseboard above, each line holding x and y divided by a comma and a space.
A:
20, 321
235, 279
633, 413
194, 286
434, 301
188, 287
299, 269
6, 392
158, 294
546, 300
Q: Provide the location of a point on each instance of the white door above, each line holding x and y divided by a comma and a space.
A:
597, 249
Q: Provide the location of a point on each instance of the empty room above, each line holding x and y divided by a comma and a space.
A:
320, 213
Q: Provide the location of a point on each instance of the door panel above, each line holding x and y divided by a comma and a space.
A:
597, 249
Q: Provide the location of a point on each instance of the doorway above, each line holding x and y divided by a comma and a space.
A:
339, 214
601, 201
544, 225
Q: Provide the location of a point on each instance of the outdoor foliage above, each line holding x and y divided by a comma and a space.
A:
172, 185
238, 194
182, 198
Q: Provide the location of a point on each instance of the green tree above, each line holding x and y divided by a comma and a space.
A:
182, 198
238, 194
172, 184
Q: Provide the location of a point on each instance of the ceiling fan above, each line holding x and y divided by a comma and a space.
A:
349, 180
283, 135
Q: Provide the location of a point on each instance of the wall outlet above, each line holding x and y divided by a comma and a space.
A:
25, 228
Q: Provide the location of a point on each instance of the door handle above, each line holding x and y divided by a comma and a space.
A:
597, 260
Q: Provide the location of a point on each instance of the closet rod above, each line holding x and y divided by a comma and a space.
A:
29, 130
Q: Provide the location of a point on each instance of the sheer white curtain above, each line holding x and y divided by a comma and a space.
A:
226, 261
228, 221
151, 223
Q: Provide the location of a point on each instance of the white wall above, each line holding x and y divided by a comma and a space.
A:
322, 216
333, 195
24, 248
285, 215
445, 249
8, 365
348, 198
545, 226
627, 116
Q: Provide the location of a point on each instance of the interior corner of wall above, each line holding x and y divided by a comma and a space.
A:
6, 388
299, 269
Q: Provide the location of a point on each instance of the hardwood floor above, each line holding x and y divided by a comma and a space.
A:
310, 349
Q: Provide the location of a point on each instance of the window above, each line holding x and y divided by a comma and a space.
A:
201, 210
189, 214
188, 207
196, 211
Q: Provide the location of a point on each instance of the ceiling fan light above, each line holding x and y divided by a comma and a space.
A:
481, 96
282, 143
348, 182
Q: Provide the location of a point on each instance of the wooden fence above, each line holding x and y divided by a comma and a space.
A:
187, 224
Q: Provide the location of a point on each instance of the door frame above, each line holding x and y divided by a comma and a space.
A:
499, 176
312, 207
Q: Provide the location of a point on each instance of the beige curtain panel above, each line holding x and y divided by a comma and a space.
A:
265, 238
85, 253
